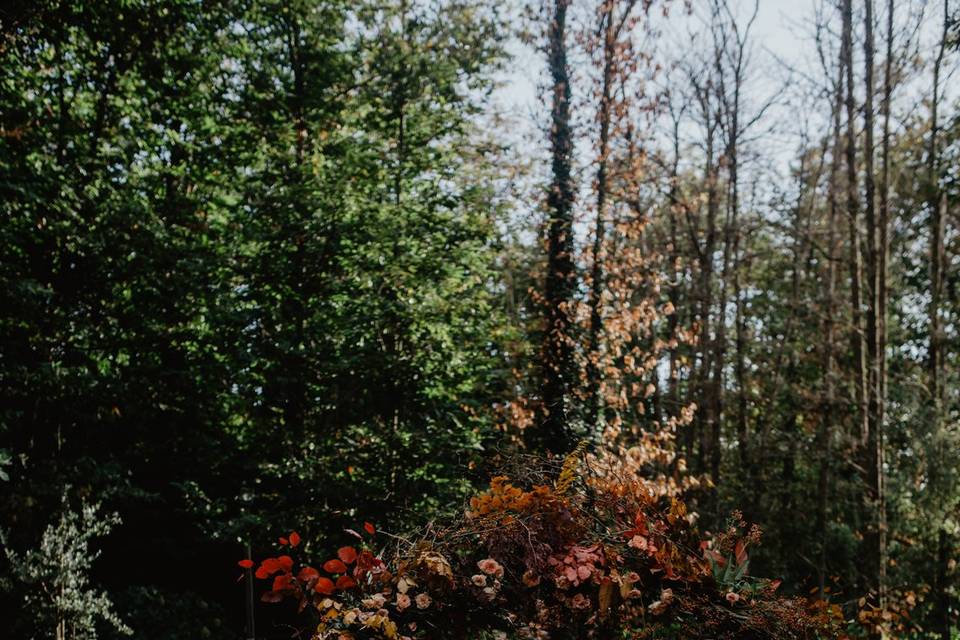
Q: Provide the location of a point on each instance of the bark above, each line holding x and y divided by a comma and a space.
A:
875, 539
558, 373
937, 204
596, 274
828, 361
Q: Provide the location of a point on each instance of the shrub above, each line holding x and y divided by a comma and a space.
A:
551, 551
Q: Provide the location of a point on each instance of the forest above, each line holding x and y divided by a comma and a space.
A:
479, 319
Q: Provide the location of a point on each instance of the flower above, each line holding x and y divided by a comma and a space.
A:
403, 601
423, 600
658, 607
580, 601
491, 567
479, 580
376, 601
733, 597
638, 542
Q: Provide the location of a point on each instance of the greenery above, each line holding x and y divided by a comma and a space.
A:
270, 265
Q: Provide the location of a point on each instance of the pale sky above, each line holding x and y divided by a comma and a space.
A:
779, 30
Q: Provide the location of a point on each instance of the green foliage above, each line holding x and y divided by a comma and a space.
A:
60, 599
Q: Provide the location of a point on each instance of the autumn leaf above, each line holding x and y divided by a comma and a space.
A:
345, 582
369, 528
347, 554
324, 586
281, 582
307, 573
294, 539
334, 566
740, 552
245, 564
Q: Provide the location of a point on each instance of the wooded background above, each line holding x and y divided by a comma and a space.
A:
274, 263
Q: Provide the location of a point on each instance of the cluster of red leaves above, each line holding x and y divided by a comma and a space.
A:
307, 584
538, 562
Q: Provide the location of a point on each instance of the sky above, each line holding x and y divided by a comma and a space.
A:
779, 32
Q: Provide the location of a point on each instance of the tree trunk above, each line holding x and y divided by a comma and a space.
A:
558, 368
937, 203
875, 542
828, 399
596, 285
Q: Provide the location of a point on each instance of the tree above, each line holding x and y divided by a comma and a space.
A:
60, 598
554, 434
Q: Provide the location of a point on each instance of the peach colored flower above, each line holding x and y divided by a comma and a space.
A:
423, 600
479, 580
580, 601
638, 542
403, 601
491, 567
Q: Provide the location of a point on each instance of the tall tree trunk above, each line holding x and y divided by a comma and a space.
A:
853, 223
875, 542
558, 366
828, 398
596, 273
937, 204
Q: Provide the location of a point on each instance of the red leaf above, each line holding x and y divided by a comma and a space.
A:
369, 528
284, 542
347, 554
245, 564
334, 566
270, 566
307, 573
285, 563
294, 539
281, 582
740, 551
345, 582
324, 586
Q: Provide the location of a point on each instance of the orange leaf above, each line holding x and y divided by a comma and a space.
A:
245, 564
324, 586
281, 582
347, 554
283, 541
740, 551
307, 573
294, 539
270, 566
345, 582
334, 566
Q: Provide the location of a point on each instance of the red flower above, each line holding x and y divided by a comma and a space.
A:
294, 539
369, 528
245, 564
